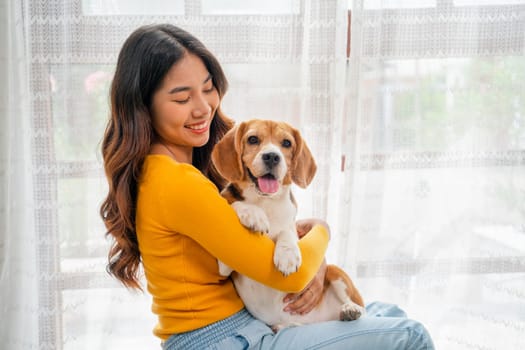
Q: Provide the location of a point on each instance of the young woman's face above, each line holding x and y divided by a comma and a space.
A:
183, 107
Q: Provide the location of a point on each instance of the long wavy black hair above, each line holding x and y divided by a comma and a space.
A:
144, 60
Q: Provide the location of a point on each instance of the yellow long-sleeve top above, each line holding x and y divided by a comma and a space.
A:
183, 227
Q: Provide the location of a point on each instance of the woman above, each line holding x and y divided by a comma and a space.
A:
165, 212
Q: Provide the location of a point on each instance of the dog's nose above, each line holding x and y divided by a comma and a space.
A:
271, 159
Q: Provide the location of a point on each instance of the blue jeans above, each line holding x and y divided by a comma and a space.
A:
384, 327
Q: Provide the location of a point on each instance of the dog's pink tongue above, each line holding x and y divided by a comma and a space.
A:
268, 184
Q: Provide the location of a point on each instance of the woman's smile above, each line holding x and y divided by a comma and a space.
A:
199, 128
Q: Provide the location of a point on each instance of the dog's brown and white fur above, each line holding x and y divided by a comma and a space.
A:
261, 159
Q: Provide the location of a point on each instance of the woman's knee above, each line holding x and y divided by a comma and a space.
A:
418, 337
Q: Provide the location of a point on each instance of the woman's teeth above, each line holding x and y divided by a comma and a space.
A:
197, 126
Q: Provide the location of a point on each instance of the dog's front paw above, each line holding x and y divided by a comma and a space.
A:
351, 311
287, 257
224, 270
252, 217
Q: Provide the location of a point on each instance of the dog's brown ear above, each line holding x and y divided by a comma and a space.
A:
226, 155
303, 163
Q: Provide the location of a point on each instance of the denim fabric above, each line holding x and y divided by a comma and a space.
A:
384, 327
214, 333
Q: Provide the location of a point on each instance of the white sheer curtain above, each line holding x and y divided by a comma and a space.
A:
18, 253
419, 137
434, 181
58, 56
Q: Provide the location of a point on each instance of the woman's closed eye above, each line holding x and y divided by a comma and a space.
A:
208, 89
182, 99
186, 99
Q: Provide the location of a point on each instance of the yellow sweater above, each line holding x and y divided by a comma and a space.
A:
183, 227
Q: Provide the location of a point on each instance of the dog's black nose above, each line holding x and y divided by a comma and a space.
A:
271, 159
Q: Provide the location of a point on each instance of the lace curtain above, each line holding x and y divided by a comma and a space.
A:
59, 57
433, 187
18, 253
418, 135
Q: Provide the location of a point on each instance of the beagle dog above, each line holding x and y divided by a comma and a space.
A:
260, 159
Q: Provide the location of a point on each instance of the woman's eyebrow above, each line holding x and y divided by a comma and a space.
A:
186, 88
178, 89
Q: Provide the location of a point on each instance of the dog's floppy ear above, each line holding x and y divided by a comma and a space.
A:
303, 163
226, 155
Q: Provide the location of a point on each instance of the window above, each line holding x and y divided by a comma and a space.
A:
435, 163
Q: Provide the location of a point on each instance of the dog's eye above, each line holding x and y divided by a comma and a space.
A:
286, 143
253, 140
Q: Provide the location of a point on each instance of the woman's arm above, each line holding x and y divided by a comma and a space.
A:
195, 208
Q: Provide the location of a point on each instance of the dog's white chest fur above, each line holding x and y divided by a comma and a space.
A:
275, 217
278, 209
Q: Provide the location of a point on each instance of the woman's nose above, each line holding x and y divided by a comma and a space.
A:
201, 107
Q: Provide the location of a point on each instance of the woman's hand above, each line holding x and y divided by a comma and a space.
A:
303, 302
304, 226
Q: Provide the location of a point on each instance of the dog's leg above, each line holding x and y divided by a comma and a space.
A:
352, 304
252, 216
287, 256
